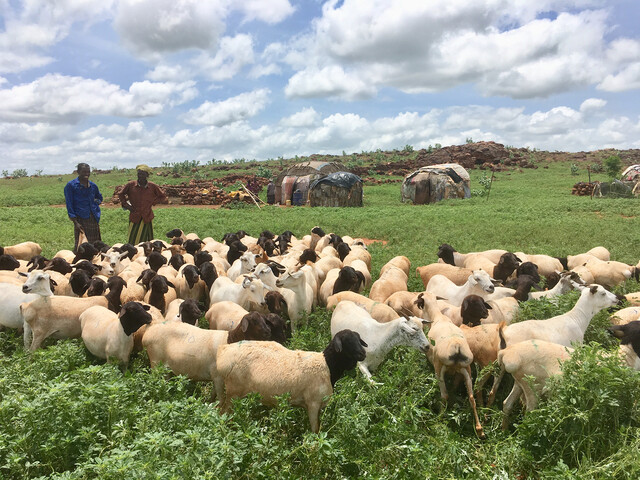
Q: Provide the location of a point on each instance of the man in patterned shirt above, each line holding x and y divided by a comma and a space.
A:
138, 197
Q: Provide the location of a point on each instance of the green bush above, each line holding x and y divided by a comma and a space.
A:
612, 166
589, 411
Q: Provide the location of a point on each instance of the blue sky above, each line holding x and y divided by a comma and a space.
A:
120, 82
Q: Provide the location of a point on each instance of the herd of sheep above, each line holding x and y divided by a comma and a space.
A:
254, 292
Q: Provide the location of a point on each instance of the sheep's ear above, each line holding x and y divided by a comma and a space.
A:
146, 307
420, 301
363, 343
518, 260
123, 255
593, 289
53, 282
488, 306
246, 282
244, 324
426, 322
337, 344
103, 255
22, 274
171, 284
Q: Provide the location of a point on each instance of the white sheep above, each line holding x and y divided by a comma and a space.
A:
242, 266
110, 335
478, 283
251, 290
270, 369
458, 275
379, 311
303, 298
381, 338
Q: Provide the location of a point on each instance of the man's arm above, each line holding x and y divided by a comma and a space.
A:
68, 198
124, 198
98, 194
161, 197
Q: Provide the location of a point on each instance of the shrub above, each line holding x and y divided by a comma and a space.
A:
596, 167
264, 172
574, 169
612, 166
590, 409
19, 172
408, 148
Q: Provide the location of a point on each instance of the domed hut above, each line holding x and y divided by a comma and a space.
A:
340, 189
433, 183
300, 176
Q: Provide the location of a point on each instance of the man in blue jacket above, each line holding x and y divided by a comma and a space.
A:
83, 205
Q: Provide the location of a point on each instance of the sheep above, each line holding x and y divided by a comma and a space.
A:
404, 303
115, 261
629, 335
109, 335
303, 298
623, 316
79, 281
359, 253
568, 281
568, 327
155, 260
225, 315
347, 278
523, 360
188, 283
161, 293
451, 256
85, 251
243, 265
547, 265
53, 316
270, 369
571, 261
8, 262
191, 351
478, 283
458, 275
11, 296
393, 280
37, 262
22, 251
186, 311
361, 267
450, 352
400, 261
379, 311
276, 303
609, 274
380, 338
249, 291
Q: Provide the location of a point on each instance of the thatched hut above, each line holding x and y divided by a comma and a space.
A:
300, 176
340, 189
433, 183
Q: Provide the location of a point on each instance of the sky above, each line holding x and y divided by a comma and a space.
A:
114, 83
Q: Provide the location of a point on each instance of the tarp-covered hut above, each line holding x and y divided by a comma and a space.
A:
436, 182
300, 176
340, 189
631, 174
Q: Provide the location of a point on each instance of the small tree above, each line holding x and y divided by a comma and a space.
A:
612, 166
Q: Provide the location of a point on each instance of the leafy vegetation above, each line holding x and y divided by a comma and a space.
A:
66, 415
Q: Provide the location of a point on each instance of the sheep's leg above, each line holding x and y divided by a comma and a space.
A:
313, 410
480, 385
530, 398
218, 390
26, 335
443, 388
466, 373
509, 403
494, 388
36, 342
365, 371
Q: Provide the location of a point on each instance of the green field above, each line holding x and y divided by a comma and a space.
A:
63, 414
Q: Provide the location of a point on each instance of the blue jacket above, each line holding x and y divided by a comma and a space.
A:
82, 201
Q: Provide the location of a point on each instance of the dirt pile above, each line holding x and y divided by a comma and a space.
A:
205, 192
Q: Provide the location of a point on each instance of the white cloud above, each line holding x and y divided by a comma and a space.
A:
627, 79
272, 11
503, 47
304, 118
34, 25
592, 105
330, 81
228, 111
234, 53
150, 27
63, 99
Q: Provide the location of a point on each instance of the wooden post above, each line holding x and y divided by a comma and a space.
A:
490, 183
253, 197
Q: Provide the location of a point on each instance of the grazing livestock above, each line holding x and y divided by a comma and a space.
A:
270, 369
380, 338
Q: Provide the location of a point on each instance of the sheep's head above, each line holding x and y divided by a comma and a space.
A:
482, 280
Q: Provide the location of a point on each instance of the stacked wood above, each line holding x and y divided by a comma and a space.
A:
583, 188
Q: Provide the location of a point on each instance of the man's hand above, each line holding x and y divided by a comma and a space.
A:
76, 223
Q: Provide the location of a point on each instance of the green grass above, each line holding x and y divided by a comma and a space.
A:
65, 415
